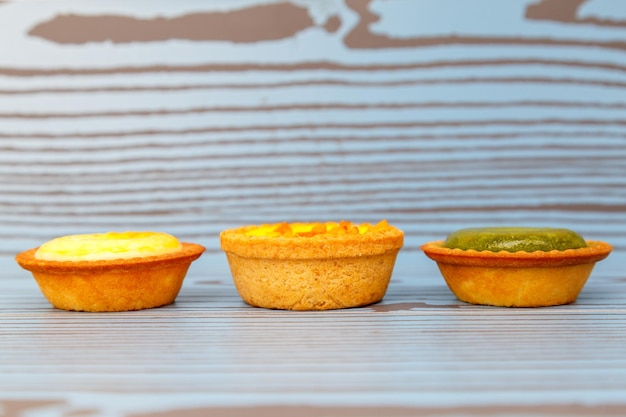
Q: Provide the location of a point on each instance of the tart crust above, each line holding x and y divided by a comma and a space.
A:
320, 272
517, 279
112, 285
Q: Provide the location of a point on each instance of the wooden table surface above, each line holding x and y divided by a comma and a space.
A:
420, 352
191, 117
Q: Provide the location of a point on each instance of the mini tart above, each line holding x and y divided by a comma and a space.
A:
517, 279
312, 268
112, 285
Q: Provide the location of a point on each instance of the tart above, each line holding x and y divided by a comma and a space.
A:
114, 271
516, 267
312, 266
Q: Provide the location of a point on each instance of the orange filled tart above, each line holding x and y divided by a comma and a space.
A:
312, 266
114, 271
516, 267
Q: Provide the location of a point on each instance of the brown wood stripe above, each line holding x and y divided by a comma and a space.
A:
256, 23
149, 205
325, 106
566, 11
391, 182
208, 222
407, 201
548, 410
260, 159
287, 127
444, 169
200, 150
361, 37
326, 82
244, 25
461, 140
311, 66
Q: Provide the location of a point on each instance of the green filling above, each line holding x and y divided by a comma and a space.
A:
515, 239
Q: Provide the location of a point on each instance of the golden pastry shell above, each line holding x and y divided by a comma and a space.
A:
517, 279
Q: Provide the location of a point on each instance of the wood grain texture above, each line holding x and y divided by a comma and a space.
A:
419, 352
195, 116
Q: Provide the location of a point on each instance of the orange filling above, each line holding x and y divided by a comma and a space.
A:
313, 229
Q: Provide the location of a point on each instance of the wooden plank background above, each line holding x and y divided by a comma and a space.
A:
194, 116
117, 116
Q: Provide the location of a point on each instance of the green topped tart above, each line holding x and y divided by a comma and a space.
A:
516, 266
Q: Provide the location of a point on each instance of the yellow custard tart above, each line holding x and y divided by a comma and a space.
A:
312, 266
516, 266
114, 271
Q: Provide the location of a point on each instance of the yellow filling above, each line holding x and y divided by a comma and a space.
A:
107, 246
314, 229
